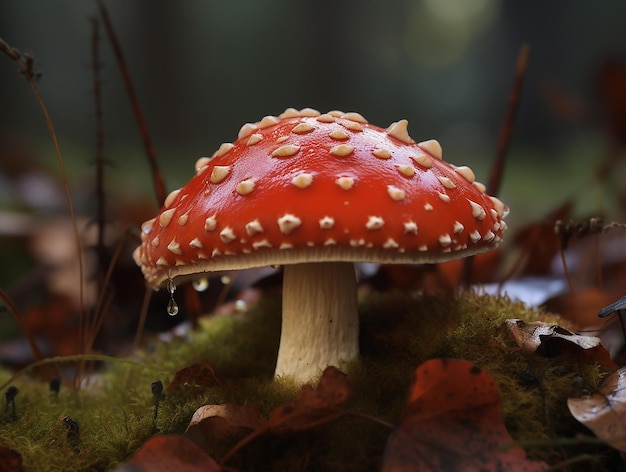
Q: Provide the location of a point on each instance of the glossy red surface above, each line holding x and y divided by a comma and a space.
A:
437, 210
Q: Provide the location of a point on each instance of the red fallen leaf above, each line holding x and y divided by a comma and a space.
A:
453, 422
312, 406
604, 412
212, 423
170, 453
200, 374
10, 460
551, 340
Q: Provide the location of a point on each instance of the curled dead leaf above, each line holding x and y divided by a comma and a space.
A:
212, 424
551, 340
313, 405
604, 412
200, 374
236, 415
453, 422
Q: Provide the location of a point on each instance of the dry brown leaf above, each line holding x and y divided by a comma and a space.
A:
236, 415
453, 422
214, 423
200, 374
170, 453
552, 340
312, 406
604, 412
10, 460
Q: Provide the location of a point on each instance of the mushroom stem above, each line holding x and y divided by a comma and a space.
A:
320, 325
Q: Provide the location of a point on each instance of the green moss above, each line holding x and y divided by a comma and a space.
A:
398, 332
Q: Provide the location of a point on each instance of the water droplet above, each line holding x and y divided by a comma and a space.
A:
201, 284
225, 279
241, 306
171, 286
172, 307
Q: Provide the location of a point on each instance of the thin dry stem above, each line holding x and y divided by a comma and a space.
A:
157, 178
100, 310
504, 139
34, 347
97, 95
25, 63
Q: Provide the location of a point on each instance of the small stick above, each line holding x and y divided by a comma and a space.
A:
97, 95
504, 139
24, 328
157, 178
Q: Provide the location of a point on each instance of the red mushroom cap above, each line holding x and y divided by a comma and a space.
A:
305, 187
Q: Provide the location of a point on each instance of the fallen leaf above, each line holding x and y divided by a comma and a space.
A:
604, 412
453, 422
236, 415
200, 374
213, 423
551, 340
312, 406
170, 453
10, 460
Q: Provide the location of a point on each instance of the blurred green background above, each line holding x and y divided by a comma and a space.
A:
203, 68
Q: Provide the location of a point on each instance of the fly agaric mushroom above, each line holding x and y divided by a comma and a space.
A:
316, 192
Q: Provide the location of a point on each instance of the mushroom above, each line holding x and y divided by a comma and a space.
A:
315, 193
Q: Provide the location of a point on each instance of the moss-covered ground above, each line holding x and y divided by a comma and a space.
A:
115, 407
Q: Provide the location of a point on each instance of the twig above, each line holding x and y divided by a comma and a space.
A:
157, 178
34, 347
100, 309
159, 186
140, 327
97, 95
504, 139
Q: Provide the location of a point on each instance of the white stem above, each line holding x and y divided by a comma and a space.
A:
320, 324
